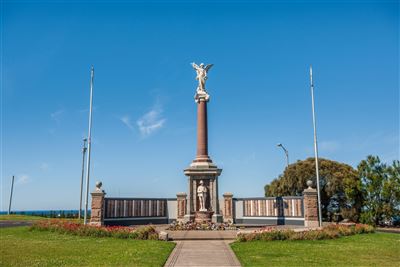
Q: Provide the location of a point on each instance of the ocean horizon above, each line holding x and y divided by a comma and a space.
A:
43, 212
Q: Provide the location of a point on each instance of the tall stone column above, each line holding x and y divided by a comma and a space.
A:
310, 203
202, 132
202, 167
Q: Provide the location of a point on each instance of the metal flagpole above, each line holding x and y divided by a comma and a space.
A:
83, 174
11, 193
315, 149
89, 145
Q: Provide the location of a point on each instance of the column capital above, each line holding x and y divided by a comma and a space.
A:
181, 195
201, 96
227, 194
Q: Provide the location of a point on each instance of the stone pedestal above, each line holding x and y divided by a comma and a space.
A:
97, 212
181, 206
310, 203
203, 216
217, 218
228, 207
188, 218
208, 173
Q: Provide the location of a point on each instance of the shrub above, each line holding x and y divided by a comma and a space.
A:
205, 226
331, 231
277, 235
65, 227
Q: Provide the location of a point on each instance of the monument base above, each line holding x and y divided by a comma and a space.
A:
203, 216
188, 218
206, 173
217, 218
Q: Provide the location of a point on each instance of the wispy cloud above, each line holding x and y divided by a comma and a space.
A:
151, 122
127, 121
56, 115
23, 179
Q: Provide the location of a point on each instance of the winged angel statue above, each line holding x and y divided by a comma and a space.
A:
201, 76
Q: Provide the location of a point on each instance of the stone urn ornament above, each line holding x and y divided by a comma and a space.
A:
98, 187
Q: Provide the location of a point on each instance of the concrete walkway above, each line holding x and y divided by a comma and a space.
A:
210, 253
201, 235
4, 224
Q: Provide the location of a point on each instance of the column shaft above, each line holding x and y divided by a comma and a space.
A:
202, 132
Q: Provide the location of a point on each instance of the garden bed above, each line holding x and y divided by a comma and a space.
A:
73, 228
331, 231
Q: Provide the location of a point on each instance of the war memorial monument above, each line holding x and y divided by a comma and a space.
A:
201, 202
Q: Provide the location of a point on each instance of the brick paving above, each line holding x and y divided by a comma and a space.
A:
211, 253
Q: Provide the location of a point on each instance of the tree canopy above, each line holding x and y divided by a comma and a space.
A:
381, 190
339, 183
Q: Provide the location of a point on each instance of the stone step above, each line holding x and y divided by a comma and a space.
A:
202, 235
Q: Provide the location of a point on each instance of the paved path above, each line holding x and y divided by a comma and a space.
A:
388, 230
202, 235
14, 223
210, 253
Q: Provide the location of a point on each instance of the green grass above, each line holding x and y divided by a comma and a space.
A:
21, 247
15, 217
379, 249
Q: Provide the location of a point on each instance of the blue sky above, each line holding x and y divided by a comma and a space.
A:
144, 124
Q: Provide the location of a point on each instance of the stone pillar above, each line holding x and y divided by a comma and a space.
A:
310, 204
217, 217
228, 207
97, 213
181, 206
202, 131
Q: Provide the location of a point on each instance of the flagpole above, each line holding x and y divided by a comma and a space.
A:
316, 149
82, 177
11, 193
89, 144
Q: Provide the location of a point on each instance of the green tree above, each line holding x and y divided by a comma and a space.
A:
339, 182
381, 190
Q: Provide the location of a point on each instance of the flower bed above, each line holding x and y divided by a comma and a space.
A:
328, 232
65, 227
193, 226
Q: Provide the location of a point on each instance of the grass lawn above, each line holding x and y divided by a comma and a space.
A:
379, 249
21, 247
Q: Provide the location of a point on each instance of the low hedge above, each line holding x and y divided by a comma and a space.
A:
328, 232
65, 227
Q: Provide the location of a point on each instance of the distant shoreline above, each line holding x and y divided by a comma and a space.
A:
45, 213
